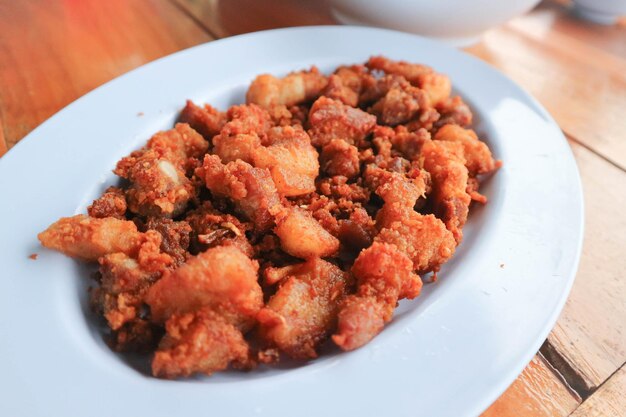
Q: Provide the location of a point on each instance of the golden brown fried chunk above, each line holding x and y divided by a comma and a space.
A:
340, 158
437, 86
295, 88
331, 119
454, 111
158, 186
303, 312
384, 275
302, 236
400, 105
222, 279
246, 118
346, 84
449, 175
125, 280
478, 159
179, 145
409, 144
423, 238
205, 120
110, 204
241, 146
394, 187
252, 190
88, 238
291, 160
199, 342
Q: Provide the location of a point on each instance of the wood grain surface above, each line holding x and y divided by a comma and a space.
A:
538, 392
589, 340
53, 52
608, 401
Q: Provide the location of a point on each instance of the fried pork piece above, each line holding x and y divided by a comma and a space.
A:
291, 160
454, 111
90, 238
400, 104
303, 312
409, 143
437, 86
346, 84
175, 237
199, 342
126, 279
241, 146
384, 275
340, 158
338, 187
450, 200
211, 228
158, 186
295, 88
478, 159
286, 152
179, 145
394, 187
110, 204
424, 239
222, 279
331, 119
398, 141
206, 120
252, 190
302, 236
246, 118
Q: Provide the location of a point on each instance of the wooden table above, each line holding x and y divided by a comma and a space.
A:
52, 52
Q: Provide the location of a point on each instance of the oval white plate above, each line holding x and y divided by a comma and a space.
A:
449, 353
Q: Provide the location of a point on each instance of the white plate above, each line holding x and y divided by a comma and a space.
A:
451, 352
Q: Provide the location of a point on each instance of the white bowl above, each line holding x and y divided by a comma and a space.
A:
456, 22
604, 12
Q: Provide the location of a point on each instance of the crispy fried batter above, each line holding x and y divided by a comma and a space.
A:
199, 342
89, 238
158, 186
449, 175
295, 88
303, 312
384, 275
291, 160
110, 204
340, 189
437, 86
478, 159
222, 279
179, 145
206, 120
211, 228
340, 158
251, 189
175, 237
331, 119
400, 104
302, 236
